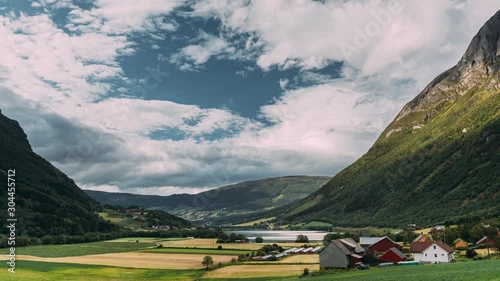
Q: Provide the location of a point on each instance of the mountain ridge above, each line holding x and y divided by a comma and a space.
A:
436, 162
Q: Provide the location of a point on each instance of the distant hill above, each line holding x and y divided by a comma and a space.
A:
438, 161
47, 201
217, 205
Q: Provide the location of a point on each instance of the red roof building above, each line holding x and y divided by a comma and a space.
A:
393, 255
383, 245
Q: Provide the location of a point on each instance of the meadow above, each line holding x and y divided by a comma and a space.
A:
81, 249
486, 270
48, 271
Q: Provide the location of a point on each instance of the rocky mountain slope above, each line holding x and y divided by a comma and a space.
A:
438, 161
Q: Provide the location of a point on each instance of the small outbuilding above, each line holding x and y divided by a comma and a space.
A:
340, 253
393, 255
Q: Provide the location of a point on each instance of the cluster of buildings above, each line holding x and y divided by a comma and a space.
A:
291, 251
346, 253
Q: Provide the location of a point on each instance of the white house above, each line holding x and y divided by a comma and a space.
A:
433, 252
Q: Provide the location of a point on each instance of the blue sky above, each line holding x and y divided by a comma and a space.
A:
163, 97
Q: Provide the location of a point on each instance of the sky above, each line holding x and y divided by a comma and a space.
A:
171, 96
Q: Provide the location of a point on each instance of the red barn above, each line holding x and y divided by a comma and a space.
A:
393, 255
383, 245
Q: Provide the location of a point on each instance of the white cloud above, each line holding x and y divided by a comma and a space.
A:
200, 53
57, 85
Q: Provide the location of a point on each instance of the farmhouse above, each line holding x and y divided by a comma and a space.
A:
484, 241
460, 243
423, 238
393, 255
378, 245
434, 252
340, 253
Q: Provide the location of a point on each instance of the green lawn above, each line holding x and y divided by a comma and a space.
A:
145, 239
198, 251
68, 250
487, 270
45, 271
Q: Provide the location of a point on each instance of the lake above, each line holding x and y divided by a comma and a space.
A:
280, 235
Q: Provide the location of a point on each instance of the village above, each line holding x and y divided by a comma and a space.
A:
347, 253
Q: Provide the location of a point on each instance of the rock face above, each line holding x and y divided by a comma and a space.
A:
480, 61
436, 162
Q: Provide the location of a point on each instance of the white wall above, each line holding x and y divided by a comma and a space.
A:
434, 255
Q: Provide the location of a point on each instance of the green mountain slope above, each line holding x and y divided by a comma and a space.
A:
438, 161
229, 201
47, 201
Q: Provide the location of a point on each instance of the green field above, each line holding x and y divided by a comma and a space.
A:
45, 271
69, 250
466, 271
198, 251
146, 239
121, 219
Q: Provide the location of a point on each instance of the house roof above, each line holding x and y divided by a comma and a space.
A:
420, 236
419, 247
458, 240
397, 252
356, 256
485, 239
385, 237
349, 242
369, 240
342, 247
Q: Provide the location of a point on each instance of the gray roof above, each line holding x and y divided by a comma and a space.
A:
341, 247
369, 240
290, 250
349, 242
316, 249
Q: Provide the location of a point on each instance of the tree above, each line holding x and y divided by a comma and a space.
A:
259, 239
470, 253
495, 244
207, 261
302, 239
306, 272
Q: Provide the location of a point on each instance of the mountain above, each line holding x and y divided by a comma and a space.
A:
47, 202
242, 199
439, 159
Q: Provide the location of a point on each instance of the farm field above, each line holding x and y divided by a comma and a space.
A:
198, 251
209, 243
137, 260
250, 223
466, 271
45, 271
256, 271
81, 249
145, 239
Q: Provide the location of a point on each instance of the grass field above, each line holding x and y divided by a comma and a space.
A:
198, 251
82, 249
210, 244
45, 271
250, 223
466, 271
145, 239
120, 219
256, 271
138, 260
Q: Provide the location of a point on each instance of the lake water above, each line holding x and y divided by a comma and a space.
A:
280, 235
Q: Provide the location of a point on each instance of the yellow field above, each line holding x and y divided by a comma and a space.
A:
255, 271
300, 259
210, 243
250, 223
138, 260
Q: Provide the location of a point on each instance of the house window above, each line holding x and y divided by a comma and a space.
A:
442, 255
435, 255
426, 255
434, 247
